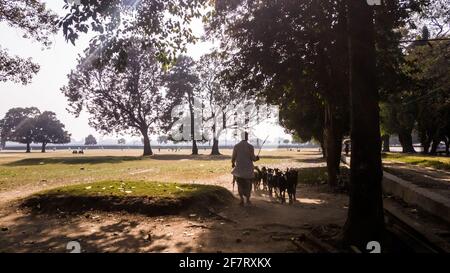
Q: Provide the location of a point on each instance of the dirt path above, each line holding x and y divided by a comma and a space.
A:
266, 226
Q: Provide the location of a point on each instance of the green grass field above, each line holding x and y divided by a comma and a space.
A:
437, 162
19, 170
122, 180
318, 175
146, 197
132, 188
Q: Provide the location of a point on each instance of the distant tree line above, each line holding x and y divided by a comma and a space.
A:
90, 140
29, 125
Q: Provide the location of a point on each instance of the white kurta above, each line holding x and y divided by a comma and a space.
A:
243, 156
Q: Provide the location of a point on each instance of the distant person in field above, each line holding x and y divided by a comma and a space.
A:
242, 163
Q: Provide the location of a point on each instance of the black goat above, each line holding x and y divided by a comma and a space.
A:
271, 182
292, 181
277, 183
257, 179
281, 184
264, 178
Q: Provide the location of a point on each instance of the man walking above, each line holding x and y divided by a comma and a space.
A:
242, 163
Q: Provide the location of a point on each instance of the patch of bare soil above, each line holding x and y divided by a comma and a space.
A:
265, 226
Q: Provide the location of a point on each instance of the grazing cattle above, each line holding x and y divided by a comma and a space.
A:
292, 181
74, 152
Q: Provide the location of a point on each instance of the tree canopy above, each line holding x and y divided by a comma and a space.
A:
121, 93
164, 24
48, 129
29, 125
181, 82
36, 22
90, 140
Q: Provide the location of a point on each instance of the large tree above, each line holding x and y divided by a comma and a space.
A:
17, 125
428, 65
182, 81
25, 132
36, 22
326, 49
365, 220
90, 140
304, 118
399, 117
217, 96
121, 92
48, 129
375, 59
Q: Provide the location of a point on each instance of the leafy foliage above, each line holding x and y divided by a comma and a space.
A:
430, 70
16, 69
37, 23
27, 125
181, 82
16, 125
48, 129
90, 140
163, 23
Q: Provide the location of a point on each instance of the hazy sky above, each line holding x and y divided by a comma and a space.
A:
56, 63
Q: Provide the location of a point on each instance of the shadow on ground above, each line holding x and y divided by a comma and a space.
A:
266, 226
311, 160
76, 159
73, 160
36, 233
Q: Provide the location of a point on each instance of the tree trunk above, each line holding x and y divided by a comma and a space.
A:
435, 146
426, 146
333, 146
194, 147
324, 151
405, 139
215, 147
28, 147
447, 147
365, 221
147, 147
194, 141
2, 144
386, 143
43, 147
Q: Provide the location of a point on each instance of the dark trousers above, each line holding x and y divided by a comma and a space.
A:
244, 186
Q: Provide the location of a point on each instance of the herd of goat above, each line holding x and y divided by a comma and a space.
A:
276, 183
